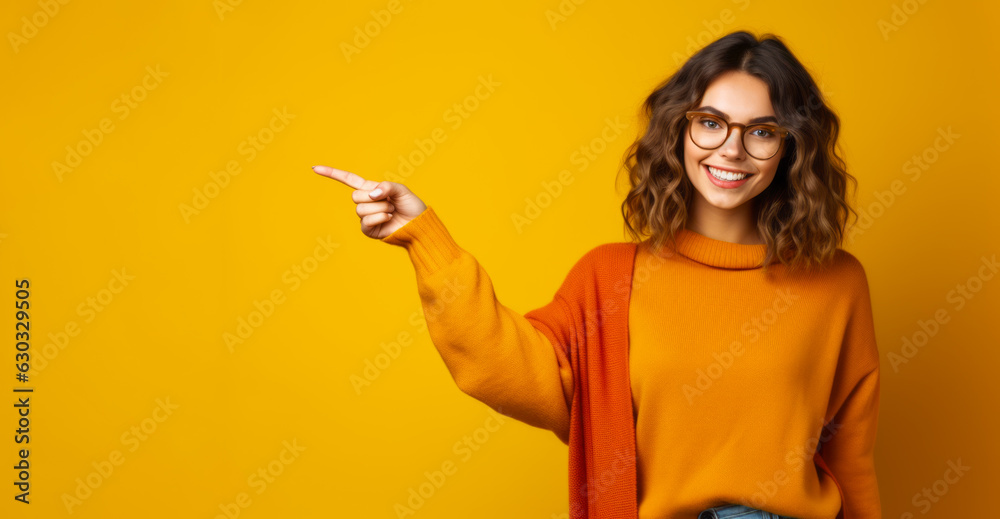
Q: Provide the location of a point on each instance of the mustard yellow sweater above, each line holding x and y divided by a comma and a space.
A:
737, 377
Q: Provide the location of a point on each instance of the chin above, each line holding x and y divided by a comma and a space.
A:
728, 204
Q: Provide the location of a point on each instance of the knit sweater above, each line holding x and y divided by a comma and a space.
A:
679, 380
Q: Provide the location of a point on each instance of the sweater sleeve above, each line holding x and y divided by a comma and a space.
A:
850, 450
493, 353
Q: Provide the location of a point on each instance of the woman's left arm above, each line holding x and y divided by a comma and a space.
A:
849, 452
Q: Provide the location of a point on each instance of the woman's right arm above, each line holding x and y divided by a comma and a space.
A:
513, 363
495, 354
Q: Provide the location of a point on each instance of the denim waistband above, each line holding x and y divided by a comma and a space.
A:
737, 511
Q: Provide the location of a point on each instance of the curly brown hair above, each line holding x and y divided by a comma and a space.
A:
802, 214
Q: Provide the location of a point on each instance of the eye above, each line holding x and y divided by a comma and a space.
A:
709, 123
763, 132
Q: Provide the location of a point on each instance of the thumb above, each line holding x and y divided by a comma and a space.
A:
405, 204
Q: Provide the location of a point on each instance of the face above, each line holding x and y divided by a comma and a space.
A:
739, 98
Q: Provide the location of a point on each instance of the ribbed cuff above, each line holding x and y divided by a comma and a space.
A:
428, 242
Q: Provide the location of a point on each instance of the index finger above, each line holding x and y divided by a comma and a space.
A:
345, 177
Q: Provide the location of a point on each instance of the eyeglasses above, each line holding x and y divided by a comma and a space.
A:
709, 131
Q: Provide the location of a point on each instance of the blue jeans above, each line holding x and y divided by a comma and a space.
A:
738, 511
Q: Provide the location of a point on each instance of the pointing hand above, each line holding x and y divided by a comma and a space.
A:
383, 206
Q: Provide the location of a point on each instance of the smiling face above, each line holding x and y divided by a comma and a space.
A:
741, 98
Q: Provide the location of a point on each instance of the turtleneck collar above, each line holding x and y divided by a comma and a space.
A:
718, 253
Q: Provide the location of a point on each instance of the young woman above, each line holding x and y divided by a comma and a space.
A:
722, 363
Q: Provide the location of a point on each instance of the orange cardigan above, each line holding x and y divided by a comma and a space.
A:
583, 394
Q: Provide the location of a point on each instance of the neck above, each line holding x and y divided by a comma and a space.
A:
735, 225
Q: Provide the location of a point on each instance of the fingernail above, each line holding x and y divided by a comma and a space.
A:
376, 192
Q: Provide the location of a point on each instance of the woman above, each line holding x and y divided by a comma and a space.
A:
725, 365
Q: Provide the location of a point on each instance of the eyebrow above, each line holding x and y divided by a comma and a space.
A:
755, 120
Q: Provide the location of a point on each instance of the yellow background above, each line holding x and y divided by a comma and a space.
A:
160, 338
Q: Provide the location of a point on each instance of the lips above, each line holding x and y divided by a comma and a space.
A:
724, 183
726, 174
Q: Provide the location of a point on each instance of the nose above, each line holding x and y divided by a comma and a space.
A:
733, 146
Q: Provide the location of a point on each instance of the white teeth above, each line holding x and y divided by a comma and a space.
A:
726, 175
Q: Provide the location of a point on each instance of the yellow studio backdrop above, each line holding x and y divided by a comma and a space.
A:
212, 336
